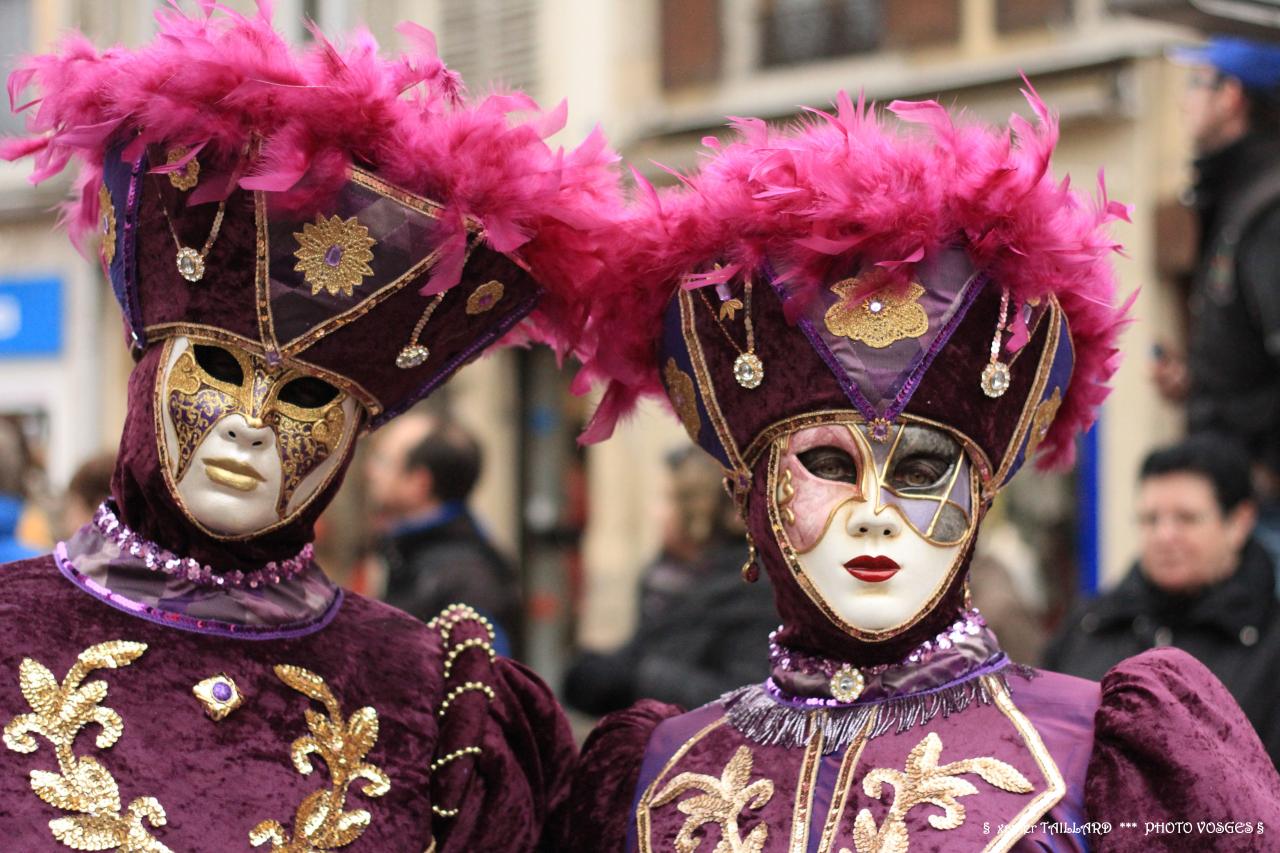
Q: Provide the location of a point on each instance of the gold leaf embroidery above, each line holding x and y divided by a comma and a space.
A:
188, 176
924, 782
683, 397
333, 254
321, 822
881, 319
107, 225
1042, 420
721, 802
485, 297
82, 784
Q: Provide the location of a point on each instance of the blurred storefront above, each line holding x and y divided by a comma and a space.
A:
659, 75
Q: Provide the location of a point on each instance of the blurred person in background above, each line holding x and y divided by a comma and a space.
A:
14, 465
420, 473
90, 485
1230, 375
1202, 583
701, 630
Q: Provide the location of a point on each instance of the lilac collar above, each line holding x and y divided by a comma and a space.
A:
942, 676
300, 602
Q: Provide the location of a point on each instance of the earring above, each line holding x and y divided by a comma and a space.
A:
750, 570
996, 376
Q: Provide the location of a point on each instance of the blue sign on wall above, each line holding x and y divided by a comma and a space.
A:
30, 317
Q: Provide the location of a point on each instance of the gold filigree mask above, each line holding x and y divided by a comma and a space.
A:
247, 445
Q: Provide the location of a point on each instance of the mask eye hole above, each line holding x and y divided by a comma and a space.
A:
830, 463
920, 472
308, 392
219, 364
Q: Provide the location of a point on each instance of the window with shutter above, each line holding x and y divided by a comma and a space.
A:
490, 42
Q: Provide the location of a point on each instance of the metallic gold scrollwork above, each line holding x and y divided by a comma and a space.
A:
321, 821
722, 801
924, 782
107, 225
878, 320
333, 254
1042, 420
82, 784
684, 399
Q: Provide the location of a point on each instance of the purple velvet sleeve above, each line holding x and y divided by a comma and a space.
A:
604, 785
510, 794
1174, 754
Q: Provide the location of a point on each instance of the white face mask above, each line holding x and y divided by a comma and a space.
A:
246, 447
874, 531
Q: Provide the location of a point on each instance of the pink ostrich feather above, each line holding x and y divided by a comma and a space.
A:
219, 79
848, 183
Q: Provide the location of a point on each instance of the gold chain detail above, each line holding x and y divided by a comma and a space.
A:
456, 651
746, 317
446, 619
321, 821
83, 784
454, 756
465, 687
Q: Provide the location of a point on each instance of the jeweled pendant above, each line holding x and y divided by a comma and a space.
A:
847, 684
412, 356
190, 264
995, 379
748, 369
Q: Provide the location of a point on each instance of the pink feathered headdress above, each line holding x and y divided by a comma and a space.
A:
491, 192
845, 195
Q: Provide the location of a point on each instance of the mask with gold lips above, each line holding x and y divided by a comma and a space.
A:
247, 446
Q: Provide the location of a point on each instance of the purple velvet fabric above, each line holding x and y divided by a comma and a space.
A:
217, 780
1061, 708
599, 817
1159, 744
1174, 749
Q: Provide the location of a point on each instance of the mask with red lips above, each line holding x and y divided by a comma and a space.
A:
873, 532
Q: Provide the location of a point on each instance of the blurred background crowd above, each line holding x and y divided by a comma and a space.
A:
614, 571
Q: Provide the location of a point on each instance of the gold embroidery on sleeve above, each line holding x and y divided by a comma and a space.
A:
321, 822
925, 782
83, 784
721, 802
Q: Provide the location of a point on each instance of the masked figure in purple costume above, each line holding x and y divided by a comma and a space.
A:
872, 329
303, 245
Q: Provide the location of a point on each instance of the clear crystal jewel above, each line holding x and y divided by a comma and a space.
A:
847, 683
995, 379
412, 356
190, 264
876, 306
748, 369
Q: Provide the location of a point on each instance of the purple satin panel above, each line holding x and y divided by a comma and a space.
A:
405, 238
880, 381
292, 608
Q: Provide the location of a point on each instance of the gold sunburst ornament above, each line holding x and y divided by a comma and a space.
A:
333, 254
880, 319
